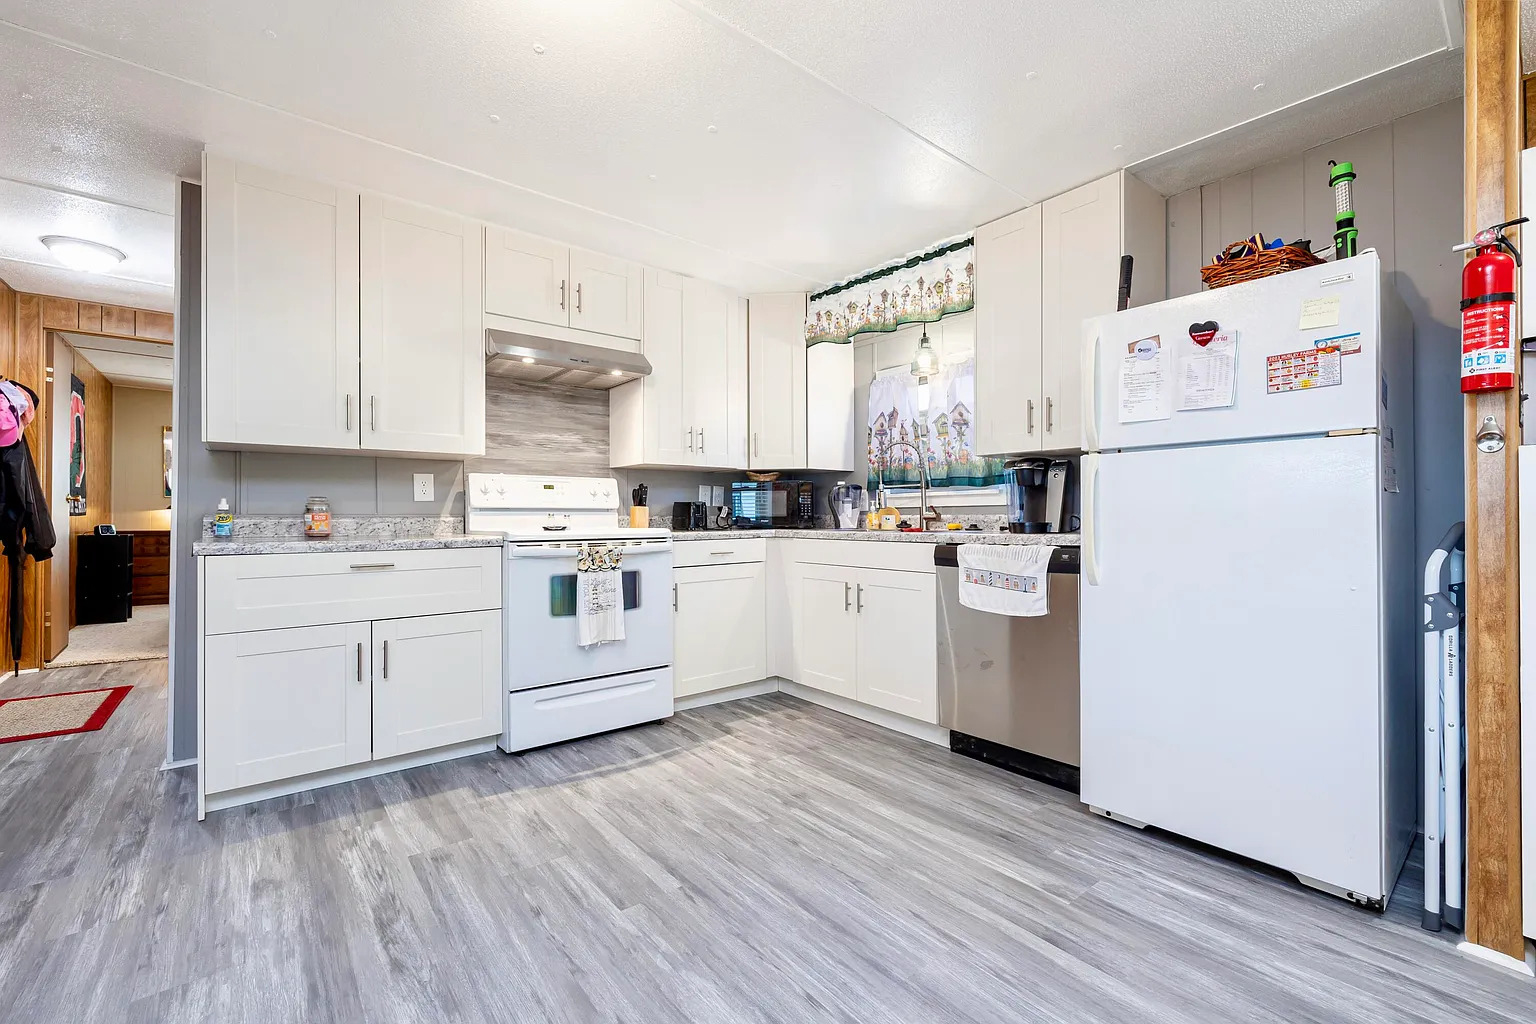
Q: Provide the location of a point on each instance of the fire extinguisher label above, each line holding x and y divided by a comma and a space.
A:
1485, 347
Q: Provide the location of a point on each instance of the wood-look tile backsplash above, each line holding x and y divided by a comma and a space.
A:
543, 428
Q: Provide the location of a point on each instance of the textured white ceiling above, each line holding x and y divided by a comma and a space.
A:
28, 212
138, 364
847, 132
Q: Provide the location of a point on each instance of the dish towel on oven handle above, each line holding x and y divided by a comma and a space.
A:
1007, 579
599, 595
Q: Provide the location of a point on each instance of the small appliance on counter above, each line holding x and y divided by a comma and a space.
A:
773, 504
689, 515
846, 503
1037, 495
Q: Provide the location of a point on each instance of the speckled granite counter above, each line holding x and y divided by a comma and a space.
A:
282, 546
284, 535
893, 536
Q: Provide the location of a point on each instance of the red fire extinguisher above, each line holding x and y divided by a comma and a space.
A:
1488, 311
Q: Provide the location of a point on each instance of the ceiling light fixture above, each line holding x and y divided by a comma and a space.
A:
712, 129
926, 362
79, 254
1259, 87
538, 47
495, 119
528, 359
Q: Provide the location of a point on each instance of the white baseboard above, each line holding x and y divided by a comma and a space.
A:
738, 692
1493, 956
875, 716
351, 773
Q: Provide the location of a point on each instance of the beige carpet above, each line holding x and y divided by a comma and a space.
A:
58, 714
144, 637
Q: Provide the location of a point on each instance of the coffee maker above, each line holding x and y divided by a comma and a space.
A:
1037, 495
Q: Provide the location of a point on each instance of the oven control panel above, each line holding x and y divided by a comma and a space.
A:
516, 491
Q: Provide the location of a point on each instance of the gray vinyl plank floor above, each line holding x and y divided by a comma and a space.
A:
759, 861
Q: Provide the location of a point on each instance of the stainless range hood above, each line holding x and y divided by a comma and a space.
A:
536, 360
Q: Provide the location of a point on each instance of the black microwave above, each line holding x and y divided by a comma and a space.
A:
766, 504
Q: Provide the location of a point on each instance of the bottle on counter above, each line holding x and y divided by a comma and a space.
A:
317, 517
223, 520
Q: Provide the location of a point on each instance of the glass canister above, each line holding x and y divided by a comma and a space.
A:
317, 517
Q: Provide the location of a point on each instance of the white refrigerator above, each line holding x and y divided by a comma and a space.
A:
1248, 613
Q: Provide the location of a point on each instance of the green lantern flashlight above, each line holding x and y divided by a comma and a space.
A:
1346, 237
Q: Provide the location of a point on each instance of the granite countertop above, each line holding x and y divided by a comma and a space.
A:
893, 536
299, 546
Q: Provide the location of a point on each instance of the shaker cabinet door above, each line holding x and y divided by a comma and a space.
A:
436, 681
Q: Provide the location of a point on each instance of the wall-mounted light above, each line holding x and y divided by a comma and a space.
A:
79, 254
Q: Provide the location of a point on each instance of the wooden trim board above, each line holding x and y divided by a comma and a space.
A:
1492, 194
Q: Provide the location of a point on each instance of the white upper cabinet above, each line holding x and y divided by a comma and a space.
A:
280, 329
1040, 273
606, 294
534, 279
690, 410
830, 431
776, 401
423, 356
336, 322
526, 277
1008, 394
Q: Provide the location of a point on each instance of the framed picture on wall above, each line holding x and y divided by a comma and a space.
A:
165, 457
76, 446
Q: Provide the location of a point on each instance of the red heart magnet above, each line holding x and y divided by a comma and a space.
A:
1201, 334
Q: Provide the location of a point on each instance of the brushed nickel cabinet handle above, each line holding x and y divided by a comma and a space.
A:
386, 659
1049, 419
372, 566
847, 600
1029, 416
690, 439
578, 296
701, 440
861, 598
359, 662
674, 597
349, 414
757, 449
562, 296
373, 413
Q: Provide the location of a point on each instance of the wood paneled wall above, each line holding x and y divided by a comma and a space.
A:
98, 460
23, 358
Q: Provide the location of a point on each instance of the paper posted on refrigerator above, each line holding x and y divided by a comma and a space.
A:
1208, 376
1144, 381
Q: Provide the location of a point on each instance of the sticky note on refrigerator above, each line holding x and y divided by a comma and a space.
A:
1319, 312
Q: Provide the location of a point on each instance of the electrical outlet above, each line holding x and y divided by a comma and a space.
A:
421, 486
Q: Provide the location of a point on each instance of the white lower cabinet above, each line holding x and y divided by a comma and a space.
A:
720, 630
828, 629
436, 681
868, 635
290, 701
286, 702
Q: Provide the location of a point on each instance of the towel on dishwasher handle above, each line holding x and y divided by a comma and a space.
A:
599, 595
1008, 579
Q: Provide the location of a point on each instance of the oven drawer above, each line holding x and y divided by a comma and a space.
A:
727, 550
243, 593
553, 714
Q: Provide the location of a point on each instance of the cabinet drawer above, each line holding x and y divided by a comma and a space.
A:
728, 550
250, 592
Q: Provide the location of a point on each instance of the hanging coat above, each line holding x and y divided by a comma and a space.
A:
26, 528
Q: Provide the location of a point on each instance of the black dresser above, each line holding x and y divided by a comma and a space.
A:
103, 578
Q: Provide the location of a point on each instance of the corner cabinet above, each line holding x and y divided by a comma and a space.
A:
337, 322
1040, 273
776, 406
691, 411
539, 281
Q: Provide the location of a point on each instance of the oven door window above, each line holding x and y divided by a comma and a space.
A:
562, 594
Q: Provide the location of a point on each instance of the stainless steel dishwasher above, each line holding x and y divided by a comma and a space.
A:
1008, 685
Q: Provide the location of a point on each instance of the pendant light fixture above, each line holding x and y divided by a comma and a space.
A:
926, 362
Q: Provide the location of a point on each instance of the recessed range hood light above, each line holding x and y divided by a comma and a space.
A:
537, 360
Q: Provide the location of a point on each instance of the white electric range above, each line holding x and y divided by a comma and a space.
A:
557, 690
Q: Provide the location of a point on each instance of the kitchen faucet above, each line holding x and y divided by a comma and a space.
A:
922, 480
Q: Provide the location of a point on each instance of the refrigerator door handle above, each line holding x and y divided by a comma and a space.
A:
1090, 380
1090, 567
